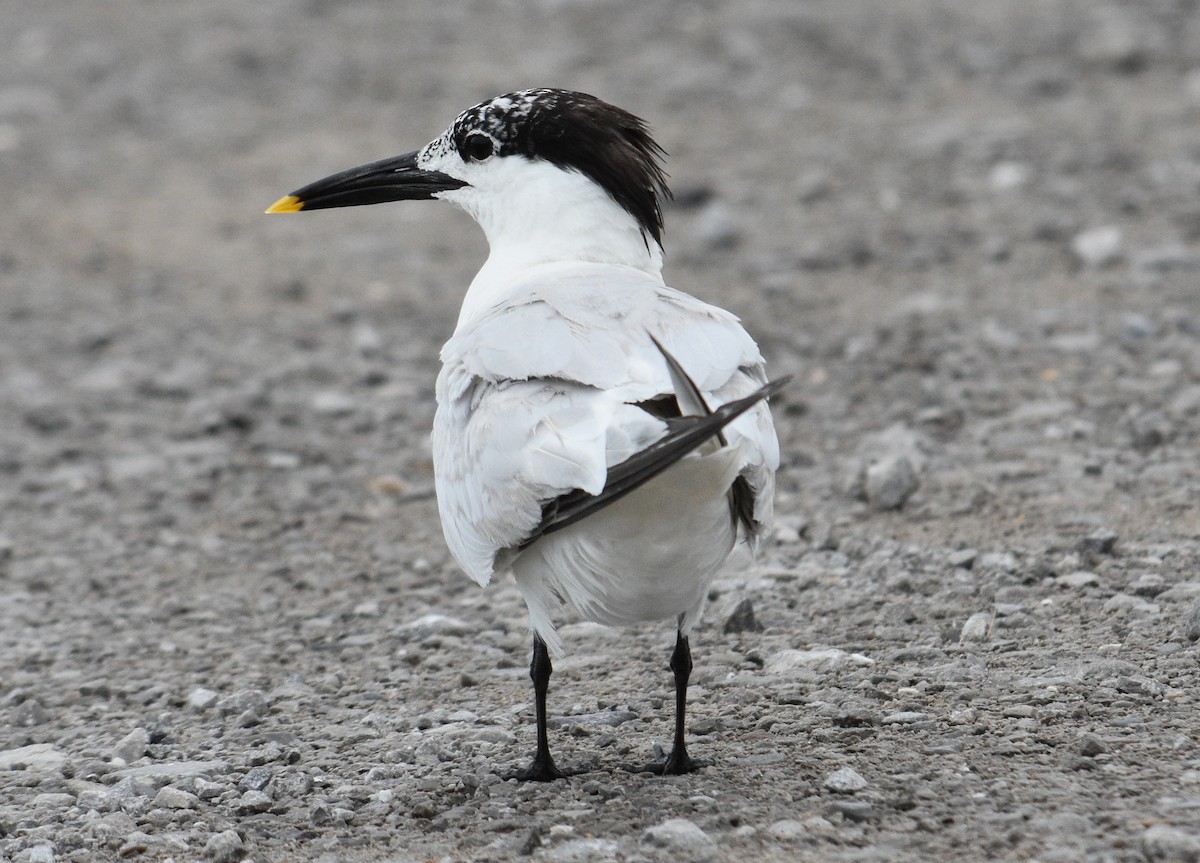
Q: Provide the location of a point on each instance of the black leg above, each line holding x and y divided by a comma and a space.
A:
678, 762
543, 768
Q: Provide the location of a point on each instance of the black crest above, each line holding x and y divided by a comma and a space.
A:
578, 132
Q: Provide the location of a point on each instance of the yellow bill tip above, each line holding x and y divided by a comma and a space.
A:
286, 204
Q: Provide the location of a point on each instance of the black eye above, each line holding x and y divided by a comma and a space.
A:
477, 147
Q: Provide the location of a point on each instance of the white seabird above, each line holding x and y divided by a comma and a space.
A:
601, 434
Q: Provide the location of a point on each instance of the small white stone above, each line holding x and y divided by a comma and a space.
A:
1098, 247
905, 717
679, 834
202, 699
332, 403
175, 798
978, 627
1008, 175
133, 745
1079, 579
847, 780
825, 659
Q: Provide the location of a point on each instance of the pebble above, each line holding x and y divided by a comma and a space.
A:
1190, 628
170, 772
225, 847
847, 780
1008, 175
964, 559
1101, 541
580, 851
1148, 584
1079, 579
1090, 746
853, 810
202, 699
1123, 603
37, 757
254, 801
1163, 843
889, 481
333, 403
207, 790
999, 560
682, 837
978, 627
823, 659
609, 718
256, 779
742, 619
1150, 430
787, 830
133, 745
41, 854
30, 714
169, 797
905, 717
1098, 247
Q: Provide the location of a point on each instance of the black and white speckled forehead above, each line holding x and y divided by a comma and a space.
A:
575, 131
505, 118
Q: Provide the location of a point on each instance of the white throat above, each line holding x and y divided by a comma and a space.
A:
534, 213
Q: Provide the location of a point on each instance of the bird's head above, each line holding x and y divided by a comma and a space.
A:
515, 159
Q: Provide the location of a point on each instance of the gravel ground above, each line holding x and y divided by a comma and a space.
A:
229, 627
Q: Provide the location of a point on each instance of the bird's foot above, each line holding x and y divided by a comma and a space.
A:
677, 763
541, 770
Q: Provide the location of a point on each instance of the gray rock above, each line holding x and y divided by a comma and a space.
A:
1090, 746
30, 714
1124, 604
1098, 247
1190, 627
607, 718
256, 779
963, 559
978, 627
202, 699
207, 790
905, 717
1163, 843
889, 481
41, 854
1149, 584
580, 851
169, 797
847, 780
1100, 541
38, 757
1002, 561
1150, 430
251, 700
171, 772
853, 810
742, 619
254, 801
681, 836
133, 745
333, 403
225, 847
1079, 579
824, 659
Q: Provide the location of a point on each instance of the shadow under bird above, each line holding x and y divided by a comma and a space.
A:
601, 434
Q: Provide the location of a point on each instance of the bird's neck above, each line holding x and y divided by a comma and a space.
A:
556, 218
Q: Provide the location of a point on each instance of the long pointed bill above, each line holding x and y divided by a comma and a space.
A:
395, 179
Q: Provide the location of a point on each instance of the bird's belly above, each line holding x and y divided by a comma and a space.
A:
651, 555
